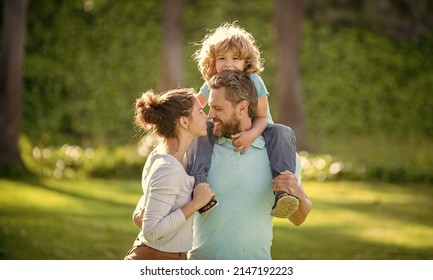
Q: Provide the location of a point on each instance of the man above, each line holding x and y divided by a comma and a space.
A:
241, 226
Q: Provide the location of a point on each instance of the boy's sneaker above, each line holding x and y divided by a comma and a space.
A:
208, 207
285, 205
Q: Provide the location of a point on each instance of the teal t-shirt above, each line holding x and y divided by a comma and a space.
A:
258, 83
240, 228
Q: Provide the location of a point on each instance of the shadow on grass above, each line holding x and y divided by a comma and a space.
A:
101, 234
95, 227
65, 244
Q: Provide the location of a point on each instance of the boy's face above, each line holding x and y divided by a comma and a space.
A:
228, 61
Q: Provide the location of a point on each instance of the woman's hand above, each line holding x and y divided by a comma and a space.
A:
202, 194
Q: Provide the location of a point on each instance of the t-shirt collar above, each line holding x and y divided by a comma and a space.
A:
259, 142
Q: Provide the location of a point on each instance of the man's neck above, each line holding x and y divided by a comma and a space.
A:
245, 124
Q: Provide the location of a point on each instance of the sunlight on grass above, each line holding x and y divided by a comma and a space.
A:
91, 219
52, 219
356, 219
33, 198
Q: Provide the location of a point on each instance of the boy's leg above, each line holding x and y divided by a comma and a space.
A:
281, 146
201, 165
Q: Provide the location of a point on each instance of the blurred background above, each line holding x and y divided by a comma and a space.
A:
354, 79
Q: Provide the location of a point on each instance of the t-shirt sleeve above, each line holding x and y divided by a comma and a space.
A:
260, 85
261, 91
205, 91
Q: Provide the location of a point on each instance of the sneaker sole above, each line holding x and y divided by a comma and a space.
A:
204, 213
285, 207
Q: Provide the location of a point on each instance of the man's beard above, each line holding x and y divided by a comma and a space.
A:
227, 129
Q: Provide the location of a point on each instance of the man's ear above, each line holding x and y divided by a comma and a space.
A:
243, 107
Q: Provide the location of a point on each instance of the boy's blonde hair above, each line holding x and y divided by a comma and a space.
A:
229, 36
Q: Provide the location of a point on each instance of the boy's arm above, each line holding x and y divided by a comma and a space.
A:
243, 140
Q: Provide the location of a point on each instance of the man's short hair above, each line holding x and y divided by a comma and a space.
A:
238, 87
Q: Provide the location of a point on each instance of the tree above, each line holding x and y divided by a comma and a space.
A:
289, 17
172, 67
11, 74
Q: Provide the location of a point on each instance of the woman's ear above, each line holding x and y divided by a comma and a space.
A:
184, 122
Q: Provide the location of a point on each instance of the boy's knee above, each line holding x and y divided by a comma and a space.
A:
283, 130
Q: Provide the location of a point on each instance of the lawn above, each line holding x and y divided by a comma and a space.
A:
357, 220
52, 219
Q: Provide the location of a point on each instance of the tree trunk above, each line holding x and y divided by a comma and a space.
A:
289, 17
172, 67
11, 73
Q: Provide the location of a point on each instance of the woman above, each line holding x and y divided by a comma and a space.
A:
176, 118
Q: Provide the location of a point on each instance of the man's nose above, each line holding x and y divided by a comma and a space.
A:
211, 114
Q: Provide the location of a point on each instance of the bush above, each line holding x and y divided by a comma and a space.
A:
71, 161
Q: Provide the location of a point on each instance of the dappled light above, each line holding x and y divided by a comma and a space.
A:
88, 5
326, 167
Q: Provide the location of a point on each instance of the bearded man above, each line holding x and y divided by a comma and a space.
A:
241, 226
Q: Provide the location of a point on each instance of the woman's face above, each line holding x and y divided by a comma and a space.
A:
198, 119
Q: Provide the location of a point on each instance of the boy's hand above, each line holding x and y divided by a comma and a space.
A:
242, 141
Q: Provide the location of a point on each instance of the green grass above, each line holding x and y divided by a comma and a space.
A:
357, 220
52, 219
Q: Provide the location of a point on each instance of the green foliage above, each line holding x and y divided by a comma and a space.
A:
83, 66
360, 83
87, 61
367, 100
75, 162
84, 69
